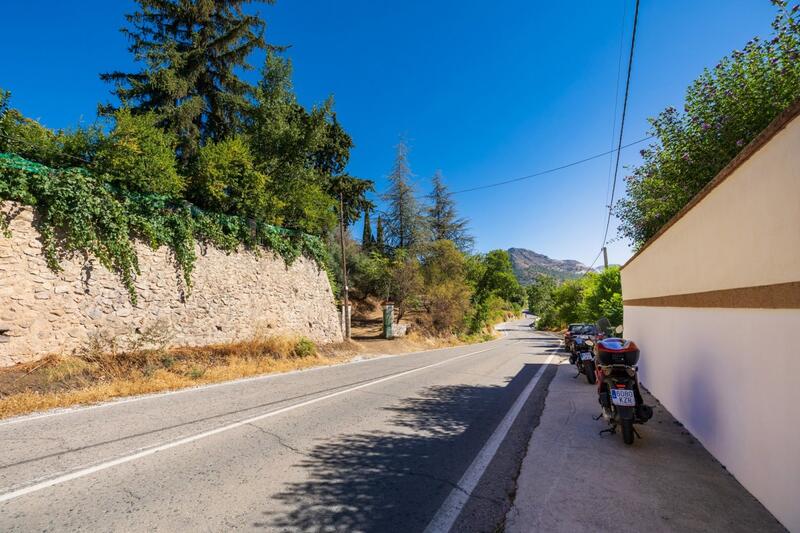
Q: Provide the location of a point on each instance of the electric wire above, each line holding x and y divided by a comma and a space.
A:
551, 170
622, 122
616, 98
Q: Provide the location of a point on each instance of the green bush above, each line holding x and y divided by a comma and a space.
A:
587, 299
725, 108
305, 348
226, 180
139, 156
29, 139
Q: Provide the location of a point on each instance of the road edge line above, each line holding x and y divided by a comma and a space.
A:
22, 491
446, 516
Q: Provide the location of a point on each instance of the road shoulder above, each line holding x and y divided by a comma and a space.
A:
573, 479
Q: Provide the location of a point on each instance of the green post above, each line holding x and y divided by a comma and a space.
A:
388, 319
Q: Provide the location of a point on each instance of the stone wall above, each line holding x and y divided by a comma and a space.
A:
233, 297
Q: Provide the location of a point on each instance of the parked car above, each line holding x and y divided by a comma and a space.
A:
569, 335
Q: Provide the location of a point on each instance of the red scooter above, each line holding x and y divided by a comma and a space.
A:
618, 386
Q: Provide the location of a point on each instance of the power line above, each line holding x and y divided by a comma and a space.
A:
551, 170
591, 267
536, 174
622, 122
616, 97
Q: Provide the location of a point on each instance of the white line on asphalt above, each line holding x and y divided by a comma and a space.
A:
173, 444
446, 515
140, 397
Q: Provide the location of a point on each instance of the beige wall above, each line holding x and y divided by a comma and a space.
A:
732, 377
728, 367
746, 232
233, 297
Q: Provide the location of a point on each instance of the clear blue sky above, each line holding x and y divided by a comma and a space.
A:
484, 91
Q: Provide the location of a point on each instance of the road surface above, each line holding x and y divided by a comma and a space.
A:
431, 440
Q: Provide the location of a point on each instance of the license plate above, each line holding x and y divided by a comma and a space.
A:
623, 397
586, 356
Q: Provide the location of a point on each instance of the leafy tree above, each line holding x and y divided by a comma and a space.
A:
139, 156
726, 107
602, 296
407, 281
354, 195
446, 293
227, 180
371, 275
540, 293
192, 53
403, 218
566, 301
28, 138
304, 153
366, 235
443, 220
380, 244
498, 279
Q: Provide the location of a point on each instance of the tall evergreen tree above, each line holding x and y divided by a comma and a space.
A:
366, 236
191, 52
379, 244
443, 220
404, 219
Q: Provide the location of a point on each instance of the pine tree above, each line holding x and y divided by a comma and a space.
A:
379, 243
443, 220
366, 237
191, 52
404, 220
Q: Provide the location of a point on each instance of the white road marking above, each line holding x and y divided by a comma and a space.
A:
448, 513
186, 440
140, 397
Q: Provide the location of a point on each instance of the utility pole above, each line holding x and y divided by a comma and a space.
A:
605, 258
346, 299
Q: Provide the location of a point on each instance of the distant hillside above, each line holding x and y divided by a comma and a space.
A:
527, 264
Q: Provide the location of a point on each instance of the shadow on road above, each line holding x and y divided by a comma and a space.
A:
396, 479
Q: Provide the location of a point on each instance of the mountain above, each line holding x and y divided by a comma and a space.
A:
527, 264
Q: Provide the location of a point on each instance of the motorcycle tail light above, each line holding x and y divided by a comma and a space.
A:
620, 385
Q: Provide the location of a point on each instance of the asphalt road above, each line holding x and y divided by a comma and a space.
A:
427, 440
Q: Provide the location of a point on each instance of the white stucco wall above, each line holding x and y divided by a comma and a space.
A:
714, 304
732, 377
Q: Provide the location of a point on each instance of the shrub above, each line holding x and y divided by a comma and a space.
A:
226, 180
139, 156
29, 139
725, 108
305, 348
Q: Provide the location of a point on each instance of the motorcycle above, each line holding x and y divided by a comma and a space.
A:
618, 389
583, 358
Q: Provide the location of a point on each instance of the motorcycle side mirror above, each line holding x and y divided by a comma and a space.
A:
618, 329
589, 342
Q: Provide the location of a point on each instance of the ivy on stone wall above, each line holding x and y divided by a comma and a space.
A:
79, 214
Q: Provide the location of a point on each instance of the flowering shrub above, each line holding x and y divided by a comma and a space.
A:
725, 108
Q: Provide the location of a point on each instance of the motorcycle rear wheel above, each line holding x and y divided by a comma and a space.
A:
588, 369
627, 431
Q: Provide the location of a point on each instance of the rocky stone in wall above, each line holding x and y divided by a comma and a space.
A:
234, 297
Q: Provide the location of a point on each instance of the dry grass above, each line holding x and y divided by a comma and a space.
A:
115, 366
109, 369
